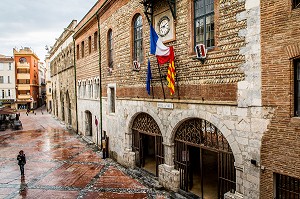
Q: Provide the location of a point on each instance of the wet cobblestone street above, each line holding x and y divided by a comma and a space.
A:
61, 165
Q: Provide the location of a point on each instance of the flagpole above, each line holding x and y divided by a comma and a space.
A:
152, 89
162, 85
177, 86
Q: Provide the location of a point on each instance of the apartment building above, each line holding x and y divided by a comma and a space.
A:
7, 81
27, 78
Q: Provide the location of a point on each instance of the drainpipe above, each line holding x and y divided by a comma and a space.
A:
100, 83
75, 88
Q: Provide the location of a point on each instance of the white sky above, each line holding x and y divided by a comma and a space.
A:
36, 23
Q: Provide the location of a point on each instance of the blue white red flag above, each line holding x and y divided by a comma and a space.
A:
157, 48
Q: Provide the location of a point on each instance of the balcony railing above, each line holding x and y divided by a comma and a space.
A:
23, 97
23, 87
23, 65
23, 76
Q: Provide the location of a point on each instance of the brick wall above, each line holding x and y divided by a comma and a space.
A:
280, 38
220, 72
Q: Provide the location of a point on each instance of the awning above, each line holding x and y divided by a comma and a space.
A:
7, 111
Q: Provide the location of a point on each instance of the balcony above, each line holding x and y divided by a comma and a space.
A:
23, 76
24, 87
23, 65
23, 97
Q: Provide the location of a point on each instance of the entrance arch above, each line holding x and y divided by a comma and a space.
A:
204, 159
88, 124
68, 102
62, 103
147, 143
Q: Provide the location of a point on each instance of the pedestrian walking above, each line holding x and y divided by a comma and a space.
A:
21, 161
104, 147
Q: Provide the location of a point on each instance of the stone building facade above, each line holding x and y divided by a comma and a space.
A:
62, 72
280, 154
217, 110
88, 75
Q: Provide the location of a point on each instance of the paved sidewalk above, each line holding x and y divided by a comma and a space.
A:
61, 165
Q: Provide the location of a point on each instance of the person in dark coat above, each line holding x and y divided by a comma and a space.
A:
21, 161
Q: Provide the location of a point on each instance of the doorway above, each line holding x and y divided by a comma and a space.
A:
147, 143
204, 160
88, 124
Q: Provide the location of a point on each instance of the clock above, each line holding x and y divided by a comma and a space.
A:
163, 26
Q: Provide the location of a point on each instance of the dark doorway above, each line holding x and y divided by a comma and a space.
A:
148, 160
204, 160
88, 124
147, 143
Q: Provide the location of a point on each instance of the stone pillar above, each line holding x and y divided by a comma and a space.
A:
168, 177
169, 153
129, 158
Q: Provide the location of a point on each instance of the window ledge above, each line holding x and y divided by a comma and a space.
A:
295, 120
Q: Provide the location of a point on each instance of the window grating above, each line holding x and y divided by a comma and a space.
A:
287, 187
296, 4
297, 87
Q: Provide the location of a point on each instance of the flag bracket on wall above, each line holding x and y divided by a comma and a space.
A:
149, 5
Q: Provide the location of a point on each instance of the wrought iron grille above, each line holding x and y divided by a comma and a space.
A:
146, 124
296, 4
203, 133
287, 187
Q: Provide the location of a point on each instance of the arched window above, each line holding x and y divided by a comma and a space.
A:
22, 60
110, 49
138, 39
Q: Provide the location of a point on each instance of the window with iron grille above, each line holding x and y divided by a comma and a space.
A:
297, 87
95, 41
296, 4
204, 25
1, 79
90, 44
82, 49
287, 187
112, 98
138, 39
110, 49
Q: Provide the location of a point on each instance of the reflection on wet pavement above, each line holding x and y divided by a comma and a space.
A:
61, 165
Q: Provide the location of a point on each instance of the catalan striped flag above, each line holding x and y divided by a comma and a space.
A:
171, 72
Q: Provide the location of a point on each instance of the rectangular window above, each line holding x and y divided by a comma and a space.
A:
82, 49
2, 94
297, 86
95, 40
9, 66
90, 44
296, 4
204, 25
8, 93
77, 51
287, 187
1, 66
112, 98
1, 79
8, 79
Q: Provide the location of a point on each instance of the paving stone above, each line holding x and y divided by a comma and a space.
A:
61, 165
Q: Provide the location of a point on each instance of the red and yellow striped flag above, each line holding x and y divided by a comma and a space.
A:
171, 72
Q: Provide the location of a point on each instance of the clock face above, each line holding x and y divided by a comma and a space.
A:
164, 26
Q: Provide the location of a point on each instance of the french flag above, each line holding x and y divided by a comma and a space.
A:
157, 48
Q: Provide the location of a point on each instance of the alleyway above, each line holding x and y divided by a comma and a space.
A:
61, 165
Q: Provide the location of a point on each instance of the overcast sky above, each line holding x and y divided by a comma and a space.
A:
36, 23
